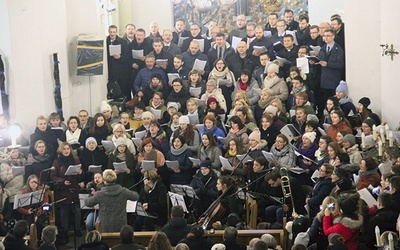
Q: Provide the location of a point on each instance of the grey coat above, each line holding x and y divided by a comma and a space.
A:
112, 201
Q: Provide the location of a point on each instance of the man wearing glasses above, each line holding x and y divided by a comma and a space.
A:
321, 189
195, 34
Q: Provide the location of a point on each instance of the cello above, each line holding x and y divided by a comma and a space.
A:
214, 212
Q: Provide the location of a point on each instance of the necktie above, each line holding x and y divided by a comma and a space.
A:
329, 49
166, 48
220, 53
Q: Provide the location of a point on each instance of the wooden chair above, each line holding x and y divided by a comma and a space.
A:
97, 227
251, 213
33, 240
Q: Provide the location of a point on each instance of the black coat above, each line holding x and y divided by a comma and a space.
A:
233, 245
321, 190
197, 244
385, 219
186, 43
93, 246
134, 45
176, 229
236, 64
181, 97
157, 200
124, 179
96, 157
118, 68
262, 42
48, 136
165, 55
38, 165
175, 35
13, 243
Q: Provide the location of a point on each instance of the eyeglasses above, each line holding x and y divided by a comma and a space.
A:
323, 171
176, 85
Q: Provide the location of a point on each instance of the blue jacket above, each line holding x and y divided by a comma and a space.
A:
185, 165
144, 77
332, 73
216, 132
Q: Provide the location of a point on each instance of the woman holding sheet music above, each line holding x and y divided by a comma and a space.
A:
122, 154
74, 135
193, 109
154, 201
238, 130
209, 149
159, 137
189, 133
68, 186
149, 152
240, 174
181, 174
100, 128
283, 152
179, 94
307, 148
92, 155
120, 132
210, 125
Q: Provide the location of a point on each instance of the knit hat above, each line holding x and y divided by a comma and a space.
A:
120, 141
211, 99
310, 135
255, 135
365, 101
348, 206
174, 105
148, 114
341, 173
156, 75
311, 117
184, 119
344, 183
273, 68
302, 239
140, 105
350, 139
206, 163
342, 87
370, 122
89, 140
370, 163
105, 106
343, 157
212, 81
272, 109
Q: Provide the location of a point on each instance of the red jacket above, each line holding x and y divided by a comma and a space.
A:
348, 228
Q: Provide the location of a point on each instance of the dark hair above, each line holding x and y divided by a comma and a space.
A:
220, 59
396, 169
180, 137
145, 142
284, 138
298, 78
327, 139
273, 14
211, 138
261, 159
240, 149
71, 118
126, 234
197, 231
177, 211
385, 199
141, 30
314, 27
230, 234
220, 34
328, 168
92, 130
158, 40
305, 47
312, 123
245, 111
247, 73
112, 27
236, 119
288, 11
178, 80
370, 163
304, 17
21, 228
289, 36
273, 175
395, 182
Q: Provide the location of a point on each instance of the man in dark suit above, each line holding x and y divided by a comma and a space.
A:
291, 24
180, 30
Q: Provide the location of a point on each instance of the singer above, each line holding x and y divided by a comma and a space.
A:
112, 200
38, 161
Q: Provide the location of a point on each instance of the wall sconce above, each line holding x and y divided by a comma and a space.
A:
389, 50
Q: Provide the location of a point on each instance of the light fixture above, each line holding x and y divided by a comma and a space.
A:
202, 6
14, 131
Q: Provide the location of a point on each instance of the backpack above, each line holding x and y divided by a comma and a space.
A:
113, 90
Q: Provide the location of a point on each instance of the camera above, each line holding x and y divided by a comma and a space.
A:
331, 206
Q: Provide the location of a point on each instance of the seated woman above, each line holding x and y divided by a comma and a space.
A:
195, 81
92, 155
268, 131
93, 241
307, 147
204, 184
265, 100
122, 154
159, 137
209, 150
120, 132
193, 109
157, 103
13, 183
38, 161
100, 128
256, 144
238, 130
154, 201
222, 73
34, 213
321, 155
339, 122
368, 174
180, 152
283, 152
365, 112
333, 150
210, 125
189, 133
112, 199
351, 148
74, 135
179, 94
45, 133
95, 185
245, 83
231, 204
240, 170
147, 117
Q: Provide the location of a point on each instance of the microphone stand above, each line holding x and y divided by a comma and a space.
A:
252, 182
134, 185
240, 162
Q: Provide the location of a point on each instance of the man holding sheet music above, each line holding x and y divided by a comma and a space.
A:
195, 35
163, 58
261, 44
194, 54
118, 58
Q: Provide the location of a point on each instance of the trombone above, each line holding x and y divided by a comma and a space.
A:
286, 189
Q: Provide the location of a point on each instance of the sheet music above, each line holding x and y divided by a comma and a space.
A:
194, 119
82, 198
225, 163
246, 159
141, 212
200, 127
302, 62
73, 169
115, 49
367, 197
172, 76
18, 170
23, 200
108, 145
293, 33
156, 113
202, 103
283, 60
137, 142
199, 64
137, 54
267, 33
184, 190
94, 169
260, 48
120, 166
161, 62
224, 140
181, 39
172, 164
195, 91
178, 200
131, 206
297, 170
195, 160
140, 134
269, 156
148, 165
235, 41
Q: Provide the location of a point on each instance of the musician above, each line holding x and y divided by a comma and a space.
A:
68, 186
94, 185
260, 168
204, 184
34, 212
230, 207
154, 201
274, 213
112, 199
240, 170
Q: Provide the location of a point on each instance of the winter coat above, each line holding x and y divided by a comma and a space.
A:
93, 246
185, 165
61, 165
241, 135
250, 91
157, 202
35, 164
181, 97
334, 129
217, 93
197, 244
269, 134
48, 136
321, 190
286, 157
354, 154
112, 217
129, 143
332, 73
124, 179
370, 177
279, 88
217, 132
161, 140
213, 53
14, 185
176, 229
79, 135
96, 157
12, 242
211, 152
347, 227
385, 219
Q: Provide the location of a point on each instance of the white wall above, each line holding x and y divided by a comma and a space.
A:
145, 12
322, 10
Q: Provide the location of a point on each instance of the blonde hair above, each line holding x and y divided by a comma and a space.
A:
109, 176
243, 95
93, 236
41, 117
328, 200
192, 100
279, 105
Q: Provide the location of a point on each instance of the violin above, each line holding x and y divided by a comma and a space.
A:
214, 212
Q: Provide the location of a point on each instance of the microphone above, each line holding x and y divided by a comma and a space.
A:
49, 169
